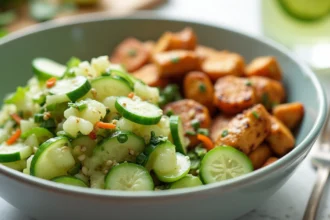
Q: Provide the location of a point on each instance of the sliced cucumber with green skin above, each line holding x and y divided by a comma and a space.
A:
121, 146
129, 78
45, 68
129, 177
70, 89
14, 152
181, 169
306, 10
138, 111
110, 86
187, 181
223, 163
52, 159
17, 165
42, 134
177, 133
69, 180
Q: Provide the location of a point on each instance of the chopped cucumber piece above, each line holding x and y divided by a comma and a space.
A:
45, 68
129, 177
181, 169
222, 163
110, 86
140, 112
52, 159
123, 74
75, 169
83, 145
177, 133
14, 152
17, 165
42, 134
69, 180
187, 181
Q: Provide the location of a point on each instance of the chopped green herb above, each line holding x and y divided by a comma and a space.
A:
200, 151
175, 60
78, 105
202, 87
132, 53
224, 133
255, 114
122, 138
248, 83
194, 164
106, 74
192, 155
190, 133
50, 123
203, 131
38, 117
155, 140
169, 113
265, 99
141, 158
195, 124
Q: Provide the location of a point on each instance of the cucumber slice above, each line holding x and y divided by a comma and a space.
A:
97, 180
45, 68
121, 146
17, 165
187, 181
222, 163
42, 134
70, 89
110, 86
177, 133
121, 73
306, 10
129, 177
14, 152
75, 169
138, 111
52, 159
69, 180
83, 145
182, 168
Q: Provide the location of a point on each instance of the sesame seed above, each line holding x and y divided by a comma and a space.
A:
64, 149
35, 149
83, 149
82, 157
108, 163
84, 170
94, 92
46, 116
114, 121
191, 113
131, 152
105, 171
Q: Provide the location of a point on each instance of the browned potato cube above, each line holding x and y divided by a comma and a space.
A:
131, 53
264, 66
222, 64
149, 74
206, 52
260, 155
176, 62
184, 40
269, 92
233, 94
218, 124
198, 86
248, 130
270, 161
290, 114
280, 139
189, 111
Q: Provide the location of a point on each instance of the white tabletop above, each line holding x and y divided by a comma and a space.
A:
289, 202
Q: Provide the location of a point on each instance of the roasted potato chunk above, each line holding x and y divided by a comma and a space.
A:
184, 40
269, 92
222, 64
198, 86
206, 52
149, 74
190, 111
246, 131
233, 94
260, 155
280, 139
264, 66
218, 124
131, 53
290, 114
270, 161
176, 62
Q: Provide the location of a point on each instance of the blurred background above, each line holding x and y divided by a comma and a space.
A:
301, 25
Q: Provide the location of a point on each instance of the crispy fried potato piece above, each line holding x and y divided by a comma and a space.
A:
260, 155
290, 114
198, 86
233, 94
246, 131
264, 66
183, 40
218, 124
223, 63
176, 62
280, 139
269, 92
270, 161
190, 110
149, 74
206, 52
131, 53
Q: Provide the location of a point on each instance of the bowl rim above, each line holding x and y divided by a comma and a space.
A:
255, 176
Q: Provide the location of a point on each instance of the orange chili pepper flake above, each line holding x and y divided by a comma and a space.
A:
51, 82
